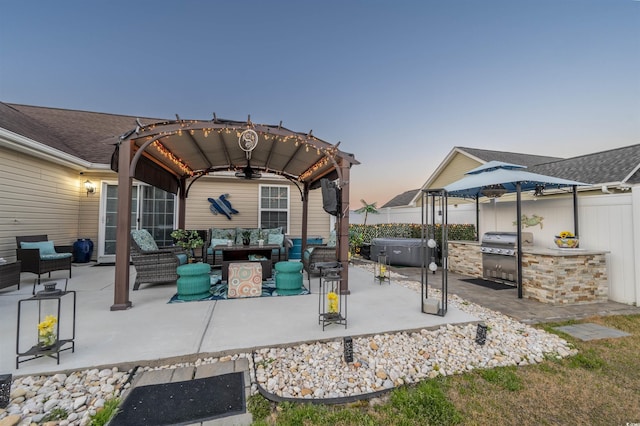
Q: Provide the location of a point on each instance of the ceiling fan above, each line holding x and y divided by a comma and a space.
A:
248, 140
247, 171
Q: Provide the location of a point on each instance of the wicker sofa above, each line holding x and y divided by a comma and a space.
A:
154, 264
40, 256
220, 236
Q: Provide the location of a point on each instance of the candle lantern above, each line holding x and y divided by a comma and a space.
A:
332, 303
381, 272
46, 309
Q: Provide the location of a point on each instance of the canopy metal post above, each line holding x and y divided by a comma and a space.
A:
575, 210
430, 249
519, 253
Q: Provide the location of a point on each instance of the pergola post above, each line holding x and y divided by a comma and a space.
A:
305, 216
182, 204
121, 292
343, 224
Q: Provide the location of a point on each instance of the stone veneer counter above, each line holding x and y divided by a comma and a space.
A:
549, 275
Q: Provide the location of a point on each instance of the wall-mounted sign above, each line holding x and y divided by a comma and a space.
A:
222, 206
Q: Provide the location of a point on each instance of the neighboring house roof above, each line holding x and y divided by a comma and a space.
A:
527, 160
620, 165
86, 135
402, 200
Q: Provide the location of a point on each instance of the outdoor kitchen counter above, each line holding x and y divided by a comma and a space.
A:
554, 251
549, 275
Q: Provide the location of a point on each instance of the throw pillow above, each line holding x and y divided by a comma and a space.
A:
254, 235
270, 231
45, 247
145, 241
224, 233
275, 239
219, 241
332, 239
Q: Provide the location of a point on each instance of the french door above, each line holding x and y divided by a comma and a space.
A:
151, 208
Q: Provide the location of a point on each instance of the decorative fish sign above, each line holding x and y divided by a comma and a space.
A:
534, 220
222, 206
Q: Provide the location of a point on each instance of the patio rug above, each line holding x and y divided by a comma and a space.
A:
219, 292
489, 284
181, 403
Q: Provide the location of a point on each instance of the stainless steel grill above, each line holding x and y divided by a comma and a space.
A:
499, 260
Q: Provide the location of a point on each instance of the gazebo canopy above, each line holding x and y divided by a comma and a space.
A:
172, 155
502, 177
186, 149
496, 178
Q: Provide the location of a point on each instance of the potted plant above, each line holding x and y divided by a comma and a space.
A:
188, 240
246, 237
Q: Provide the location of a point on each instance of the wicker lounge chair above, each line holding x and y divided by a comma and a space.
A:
317, 256
154, 264
38, 255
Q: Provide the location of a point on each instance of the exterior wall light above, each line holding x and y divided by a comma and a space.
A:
89, 186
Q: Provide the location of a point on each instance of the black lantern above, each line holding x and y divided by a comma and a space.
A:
332, 302
381, 272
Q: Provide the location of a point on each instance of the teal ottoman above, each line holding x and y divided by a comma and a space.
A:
288, 277
194, 282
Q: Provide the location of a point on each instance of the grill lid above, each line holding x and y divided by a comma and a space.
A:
500, 239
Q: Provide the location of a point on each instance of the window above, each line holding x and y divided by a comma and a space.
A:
274, 207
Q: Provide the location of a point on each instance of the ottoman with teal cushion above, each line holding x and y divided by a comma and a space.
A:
194, 282
288, 277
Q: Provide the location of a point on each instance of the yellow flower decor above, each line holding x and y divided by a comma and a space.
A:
47, 331
566, 239
333, 302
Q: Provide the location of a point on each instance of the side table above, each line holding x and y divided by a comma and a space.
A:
61, 344
10, 274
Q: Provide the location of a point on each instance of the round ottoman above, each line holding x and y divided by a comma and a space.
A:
194, 282
288, 277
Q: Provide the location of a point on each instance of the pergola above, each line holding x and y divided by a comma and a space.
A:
173, 155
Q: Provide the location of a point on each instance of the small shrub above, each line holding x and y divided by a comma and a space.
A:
259, 407
505, 377
55, 414
426, 403
103, 416
589, 360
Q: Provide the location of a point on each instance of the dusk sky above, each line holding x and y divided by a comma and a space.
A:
398, 83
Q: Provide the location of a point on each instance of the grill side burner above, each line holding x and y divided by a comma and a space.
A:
499, 260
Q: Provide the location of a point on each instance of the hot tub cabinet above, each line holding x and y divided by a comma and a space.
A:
554, 276
400, 251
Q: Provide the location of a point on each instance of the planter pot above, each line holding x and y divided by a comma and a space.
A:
567, 242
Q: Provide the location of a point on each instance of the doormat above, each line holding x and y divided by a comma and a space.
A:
219, 292
489, 284
181, 403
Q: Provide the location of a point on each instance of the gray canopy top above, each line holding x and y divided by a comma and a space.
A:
503, 178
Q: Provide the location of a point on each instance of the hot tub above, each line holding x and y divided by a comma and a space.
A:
400, 251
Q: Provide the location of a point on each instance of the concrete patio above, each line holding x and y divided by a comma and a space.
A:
154, 332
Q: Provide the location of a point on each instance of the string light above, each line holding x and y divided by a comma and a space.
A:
175, 160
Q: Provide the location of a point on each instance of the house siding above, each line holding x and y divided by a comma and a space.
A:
244, 196
38, 197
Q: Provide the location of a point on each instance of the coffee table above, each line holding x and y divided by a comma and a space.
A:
241, 253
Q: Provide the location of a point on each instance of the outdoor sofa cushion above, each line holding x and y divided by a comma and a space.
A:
46, 249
